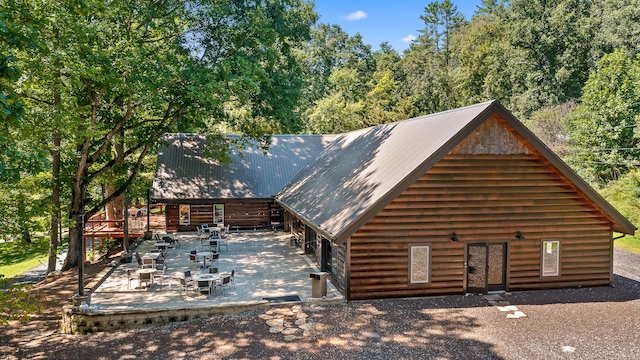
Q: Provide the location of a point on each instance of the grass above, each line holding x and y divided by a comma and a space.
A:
629, 243
16, 258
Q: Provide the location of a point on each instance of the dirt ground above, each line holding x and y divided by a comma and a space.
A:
587, 323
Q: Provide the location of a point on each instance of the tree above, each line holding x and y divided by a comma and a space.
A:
551, 43
481, 53
131, 71
489, 7
441, 20
604, 127
618, 26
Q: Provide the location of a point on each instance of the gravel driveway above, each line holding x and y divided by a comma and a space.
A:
589, 323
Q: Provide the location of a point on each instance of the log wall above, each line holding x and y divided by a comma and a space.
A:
483, 198
238, 214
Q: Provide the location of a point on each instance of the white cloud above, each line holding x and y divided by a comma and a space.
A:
358, 15
409, 38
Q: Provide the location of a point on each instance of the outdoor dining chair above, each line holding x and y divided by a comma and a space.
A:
147, 263
204, 287
213, 245
193, 260
225, 282
138, 259
186, 285
159, 274
145, 277
129, 278
213, 270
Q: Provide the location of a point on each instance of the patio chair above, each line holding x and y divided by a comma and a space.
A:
147, 263
213, 270
204, 287
233, 278
213, 245
129, 278
225, 282
223, 243
159, 275
193, 260
144, 277
186, 285
138, 259
214, 258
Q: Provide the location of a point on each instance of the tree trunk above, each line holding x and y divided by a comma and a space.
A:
75, 253
115, 208
55, 200
55, 174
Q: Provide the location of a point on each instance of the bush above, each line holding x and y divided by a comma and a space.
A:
17, 302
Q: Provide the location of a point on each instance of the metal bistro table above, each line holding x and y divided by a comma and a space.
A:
211, 278
204, 255
145, 271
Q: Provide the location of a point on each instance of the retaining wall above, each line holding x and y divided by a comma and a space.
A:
74, 321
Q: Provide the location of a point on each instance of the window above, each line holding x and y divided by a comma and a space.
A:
551, 258
419, 264
185, 214
218, 214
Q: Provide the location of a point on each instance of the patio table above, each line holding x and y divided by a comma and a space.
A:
204, 255
145, 271
211, 278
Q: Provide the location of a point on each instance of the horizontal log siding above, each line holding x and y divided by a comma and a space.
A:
238, 214
481, 198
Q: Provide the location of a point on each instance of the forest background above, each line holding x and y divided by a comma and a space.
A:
88, 88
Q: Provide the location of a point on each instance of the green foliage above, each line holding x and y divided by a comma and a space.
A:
624, 195
17, 302
629, 243
549, 125
603, 129
551, 44
107, 248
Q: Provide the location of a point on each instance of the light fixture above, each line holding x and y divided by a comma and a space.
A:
519, 235
454, 237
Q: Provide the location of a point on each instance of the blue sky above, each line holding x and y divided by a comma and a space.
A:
395, 21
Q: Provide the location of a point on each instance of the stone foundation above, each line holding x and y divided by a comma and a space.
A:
74, 321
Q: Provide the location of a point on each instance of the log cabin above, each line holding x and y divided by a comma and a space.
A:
198, 189
462, 201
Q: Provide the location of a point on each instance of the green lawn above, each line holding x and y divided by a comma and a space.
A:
629, 243
16, 258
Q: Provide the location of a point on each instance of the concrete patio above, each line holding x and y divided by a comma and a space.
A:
265, 264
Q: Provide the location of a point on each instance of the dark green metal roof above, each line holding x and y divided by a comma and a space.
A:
185, 172
360, 172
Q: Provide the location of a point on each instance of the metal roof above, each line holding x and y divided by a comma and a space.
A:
185, 172
362, 171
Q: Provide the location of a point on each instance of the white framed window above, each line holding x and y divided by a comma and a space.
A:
419, 264
218, 213
185, 214
550, 257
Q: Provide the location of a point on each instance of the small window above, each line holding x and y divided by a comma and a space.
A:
218, 214
551, 258
419, 264
185, 214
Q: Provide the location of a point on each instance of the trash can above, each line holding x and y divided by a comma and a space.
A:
318, 284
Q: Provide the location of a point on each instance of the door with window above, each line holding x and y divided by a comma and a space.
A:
486, 267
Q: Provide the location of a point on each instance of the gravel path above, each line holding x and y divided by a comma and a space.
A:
587, 323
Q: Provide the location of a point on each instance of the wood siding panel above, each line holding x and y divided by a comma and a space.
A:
238, 214
483, 198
